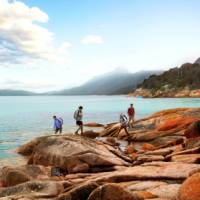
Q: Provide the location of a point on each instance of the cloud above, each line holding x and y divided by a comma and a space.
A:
22, 38
92, 39
34, 85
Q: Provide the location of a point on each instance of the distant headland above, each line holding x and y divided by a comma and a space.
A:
176, 82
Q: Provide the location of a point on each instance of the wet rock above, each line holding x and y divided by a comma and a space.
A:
190, 189
112, 192
74, 153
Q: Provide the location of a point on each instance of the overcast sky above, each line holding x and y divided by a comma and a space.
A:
55, 44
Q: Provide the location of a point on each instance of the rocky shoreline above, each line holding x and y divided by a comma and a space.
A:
161, 161
166, 92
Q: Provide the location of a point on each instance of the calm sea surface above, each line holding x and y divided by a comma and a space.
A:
22, 118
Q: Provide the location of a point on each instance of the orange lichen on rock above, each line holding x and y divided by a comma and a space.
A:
177, 122
133, 155
148, 147
169, 111
190, 189
146, 195
130, 149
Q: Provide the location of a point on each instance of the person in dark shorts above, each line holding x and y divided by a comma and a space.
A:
78, 116
57, 124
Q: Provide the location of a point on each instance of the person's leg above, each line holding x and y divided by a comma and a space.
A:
131, 121
127, 133
81, 128
121, 127
56, 130
60, 130
76, 132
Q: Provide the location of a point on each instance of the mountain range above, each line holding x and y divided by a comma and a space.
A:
113, 83
116, 82
7, 92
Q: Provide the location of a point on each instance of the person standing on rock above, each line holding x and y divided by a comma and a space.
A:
78, 116
58, 123
131, 115
123, 124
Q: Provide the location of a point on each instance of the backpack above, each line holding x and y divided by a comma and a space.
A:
76, 113
61, 121
123, 119
55, 171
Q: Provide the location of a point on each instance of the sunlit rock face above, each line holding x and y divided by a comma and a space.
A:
72, 153
159, 160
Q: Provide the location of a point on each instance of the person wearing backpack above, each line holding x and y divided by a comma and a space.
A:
78, 116
124, 123
58, 123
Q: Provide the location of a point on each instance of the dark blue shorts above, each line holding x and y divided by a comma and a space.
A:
79, 123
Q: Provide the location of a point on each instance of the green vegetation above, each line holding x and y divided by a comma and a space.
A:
188, 75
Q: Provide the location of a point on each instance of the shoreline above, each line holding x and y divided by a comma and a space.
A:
152, 163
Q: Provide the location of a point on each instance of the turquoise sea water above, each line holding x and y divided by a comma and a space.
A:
22, 118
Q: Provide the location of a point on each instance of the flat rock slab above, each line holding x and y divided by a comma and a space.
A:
143, 185
150, 158
169, 191
151, 171
73, 153
187, 158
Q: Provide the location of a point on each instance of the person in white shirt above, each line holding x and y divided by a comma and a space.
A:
78, 116
124, 123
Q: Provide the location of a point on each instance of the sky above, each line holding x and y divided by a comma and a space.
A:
50, 45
